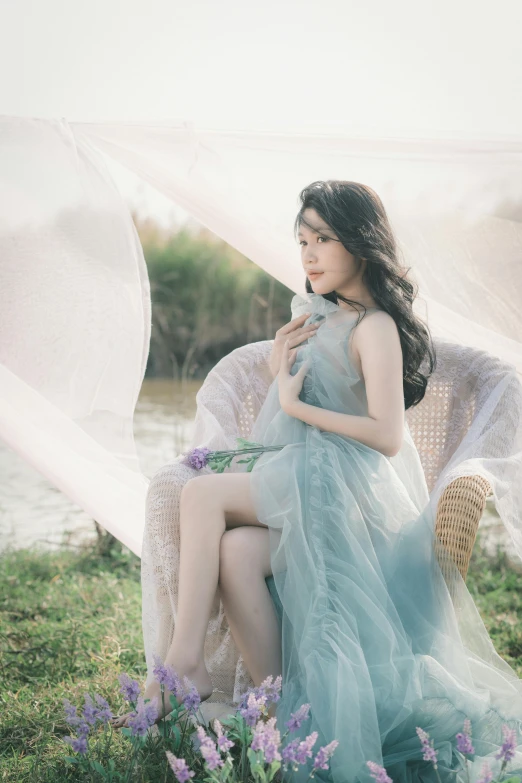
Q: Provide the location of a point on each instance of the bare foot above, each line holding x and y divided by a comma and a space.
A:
199, 676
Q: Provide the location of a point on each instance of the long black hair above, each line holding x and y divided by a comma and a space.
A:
356, 215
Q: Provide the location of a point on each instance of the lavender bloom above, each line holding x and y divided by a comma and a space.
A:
89, 710
129, 688
288, 753
253, 709
179, 767
208, 750
271, 689
487, 775
464, 744
104, 712
266, 739
197, 458
296, 718
144, 717
430, 754
378, 773
304, 749
79, 745
71, 716
507, 751
223, 742
192, 700
168, 677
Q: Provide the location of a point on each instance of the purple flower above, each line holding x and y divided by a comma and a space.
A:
266, 739
271, 689
507, 751
144, 717
179, 767
192, 700
289, 751
71, 716
197, 458
89, 710
104, 712
166, 676
208, 750
378, 773
464, 744
223, 742
129, 688
79, 745
304, 749
430, 754
487, 775
296, 718
253, 708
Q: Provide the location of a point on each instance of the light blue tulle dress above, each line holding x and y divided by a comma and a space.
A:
371, 637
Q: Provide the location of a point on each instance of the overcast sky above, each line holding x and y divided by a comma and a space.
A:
376, 67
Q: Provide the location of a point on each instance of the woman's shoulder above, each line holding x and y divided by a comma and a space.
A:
376, 319
377, 330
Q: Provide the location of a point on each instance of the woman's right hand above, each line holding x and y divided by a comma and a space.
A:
296, 333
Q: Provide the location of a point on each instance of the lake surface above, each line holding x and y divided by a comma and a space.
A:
32, 510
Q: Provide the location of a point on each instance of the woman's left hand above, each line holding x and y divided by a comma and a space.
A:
290, 385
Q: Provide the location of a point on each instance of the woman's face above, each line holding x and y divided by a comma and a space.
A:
321, 251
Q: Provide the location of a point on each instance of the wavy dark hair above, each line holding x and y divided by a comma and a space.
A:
356, 215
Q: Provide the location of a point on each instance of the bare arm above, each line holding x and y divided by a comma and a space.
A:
376, 342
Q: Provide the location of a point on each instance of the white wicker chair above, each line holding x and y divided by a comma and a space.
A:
471, 408
438, 425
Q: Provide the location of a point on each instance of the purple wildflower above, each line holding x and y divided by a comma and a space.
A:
197, 458
78, 744
289, 751
104, 712
464, 744
208, 750
145, 715
223, 742
179, 767
192, 700
486, 774
129, 688
378, 773
430, 754
296, 718
253, 709
304, 749
507, 751
168, 677
71, 716
266, 739
271, 689
89, 710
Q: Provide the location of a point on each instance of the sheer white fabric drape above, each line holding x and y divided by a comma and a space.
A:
74, 295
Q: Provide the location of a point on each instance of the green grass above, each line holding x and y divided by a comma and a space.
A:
71, 622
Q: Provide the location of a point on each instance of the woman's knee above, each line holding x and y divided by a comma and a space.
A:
244, 549
195, 491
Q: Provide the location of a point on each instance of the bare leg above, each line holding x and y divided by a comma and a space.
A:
244, 564
208, 505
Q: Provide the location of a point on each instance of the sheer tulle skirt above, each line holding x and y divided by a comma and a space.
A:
371, 637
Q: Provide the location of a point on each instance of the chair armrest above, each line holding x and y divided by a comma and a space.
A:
459, 511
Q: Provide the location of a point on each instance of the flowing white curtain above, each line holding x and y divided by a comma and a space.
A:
74, 294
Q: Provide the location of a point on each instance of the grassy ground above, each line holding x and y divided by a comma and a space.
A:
70, 622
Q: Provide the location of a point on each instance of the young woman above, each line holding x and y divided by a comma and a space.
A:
324, 553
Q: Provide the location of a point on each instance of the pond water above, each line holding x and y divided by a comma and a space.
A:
32, 510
